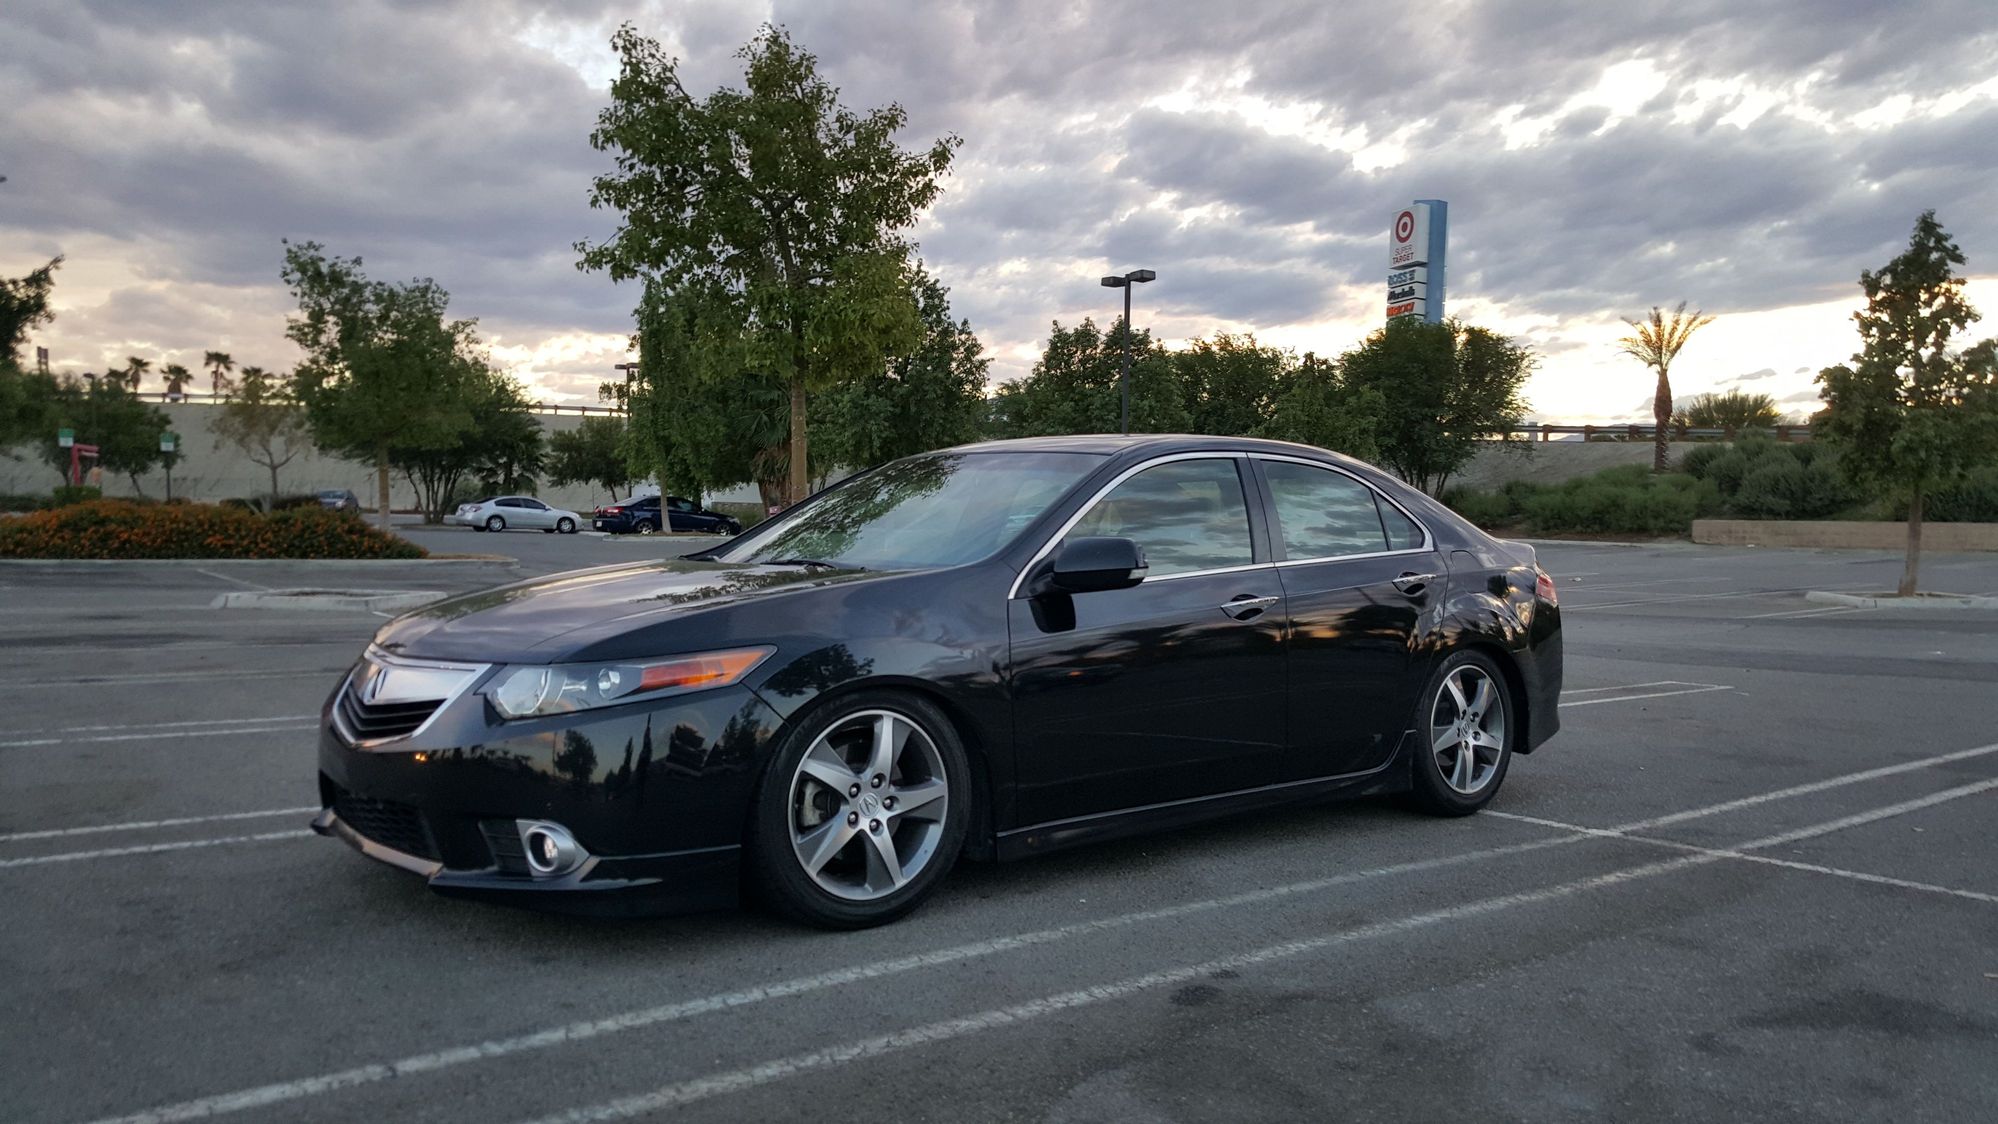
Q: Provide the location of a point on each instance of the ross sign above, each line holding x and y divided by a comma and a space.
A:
65, 438
1416, 240
168, 441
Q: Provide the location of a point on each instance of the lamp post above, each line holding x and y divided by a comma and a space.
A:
1124, 282
630, 371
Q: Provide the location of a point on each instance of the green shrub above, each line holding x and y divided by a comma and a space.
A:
117, 529
747, 514
10, 502
288, 503
1483, 509
78, 493
1974, 501
1726, 471
1695, 460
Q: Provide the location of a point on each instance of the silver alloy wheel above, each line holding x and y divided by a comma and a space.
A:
867, 805
644, 527
495, 523
1467, 729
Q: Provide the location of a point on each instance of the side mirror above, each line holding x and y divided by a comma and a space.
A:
1090, 565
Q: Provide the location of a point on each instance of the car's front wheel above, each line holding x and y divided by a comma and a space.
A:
1464, 736
861, 812
565, 526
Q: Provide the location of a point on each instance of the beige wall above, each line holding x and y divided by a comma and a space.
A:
1551, 462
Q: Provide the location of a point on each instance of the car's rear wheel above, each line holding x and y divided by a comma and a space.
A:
495, 523
565, 526
646, 527
861, 811
1464, 736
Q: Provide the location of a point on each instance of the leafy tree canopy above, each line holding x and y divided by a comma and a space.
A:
263, 419
1315, 406
592, 453
1443, 388
1910, 413
500, 450
1231, 383
106, 413
772, 214
1075, 388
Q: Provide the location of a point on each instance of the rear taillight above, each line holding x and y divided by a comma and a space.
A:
613, 511
1543, 587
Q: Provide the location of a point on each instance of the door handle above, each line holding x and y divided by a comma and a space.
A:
1247, 605
1410, 582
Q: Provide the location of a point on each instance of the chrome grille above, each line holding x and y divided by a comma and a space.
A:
390, 697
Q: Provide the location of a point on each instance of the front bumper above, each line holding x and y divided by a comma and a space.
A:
658, 796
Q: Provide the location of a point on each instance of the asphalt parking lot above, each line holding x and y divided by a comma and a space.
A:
1754, 877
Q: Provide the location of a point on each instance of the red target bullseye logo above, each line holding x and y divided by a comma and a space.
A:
1404, 226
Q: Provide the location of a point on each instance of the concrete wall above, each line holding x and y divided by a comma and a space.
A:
1852, 535
209, 473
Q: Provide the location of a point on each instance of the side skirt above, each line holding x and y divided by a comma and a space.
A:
1056, 835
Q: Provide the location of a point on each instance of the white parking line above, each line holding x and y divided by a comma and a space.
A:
149, 825
714, 1085
152, 848
267, 719
281, 1092
1810, 787
1697, 690
1813, 611
155, 735
1766, 860
1631, 687
1679, 597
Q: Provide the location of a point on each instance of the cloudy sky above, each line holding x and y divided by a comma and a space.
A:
1598, 159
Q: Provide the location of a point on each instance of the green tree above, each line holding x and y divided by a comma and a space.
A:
501, 447
1735, 409
106, 413
263, 419
1315, 406
696, 430
772, 213
930, 398
1443, 389
384, 370
1909, 414
1075, 387
592, 453
1231, 383
133, 373
219, 365
1656, 342
27, 398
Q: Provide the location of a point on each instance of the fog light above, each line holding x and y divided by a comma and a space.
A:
551, 850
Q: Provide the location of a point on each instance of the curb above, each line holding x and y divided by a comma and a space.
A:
330, 600
1922, 601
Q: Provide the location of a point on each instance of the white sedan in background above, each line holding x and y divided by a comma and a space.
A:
514, 513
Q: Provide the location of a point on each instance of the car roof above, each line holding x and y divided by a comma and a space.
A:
1150, 444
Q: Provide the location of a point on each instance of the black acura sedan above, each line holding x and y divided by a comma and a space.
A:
989, 651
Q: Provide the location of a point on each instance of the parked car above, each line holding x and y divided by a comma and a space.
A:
339, 499
514, 513
996, 650
642, 516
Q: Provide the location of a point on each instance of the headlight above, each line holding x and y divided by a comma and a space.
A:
523, 692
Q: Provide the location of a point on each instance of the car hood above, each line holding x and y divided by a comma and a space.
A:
545, 620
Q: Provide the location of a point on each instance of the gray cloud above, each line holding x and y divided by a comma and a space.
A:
450, 140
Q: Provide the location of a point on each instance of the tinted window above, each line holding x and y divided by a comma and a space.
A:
1402, 532
534, 505
945, 509
678, 504
510, 502
1323, 513
1188, 515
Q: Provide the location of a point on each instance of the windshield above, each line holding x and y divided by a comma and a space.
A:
941, 510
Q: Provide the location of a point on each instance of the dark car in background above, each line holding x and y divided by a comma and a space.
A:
995, 651
338, 499
643, 516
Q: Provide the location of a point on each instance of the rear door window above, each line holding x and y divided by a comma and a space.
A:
1322, 513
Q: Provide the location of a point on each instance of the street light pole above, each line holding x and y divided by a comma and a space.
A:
1124, 282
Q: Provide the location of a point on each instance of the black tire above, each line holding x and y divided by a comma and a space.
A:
565, 526
646, 527
479, 529
1441, 793
775, 874
495, 523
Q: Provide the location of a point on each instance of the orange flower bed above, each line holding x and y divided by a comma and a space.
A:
113, 529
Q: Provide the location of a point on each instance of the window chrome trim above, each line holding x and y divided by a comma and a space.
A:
1061, 532
1428, 540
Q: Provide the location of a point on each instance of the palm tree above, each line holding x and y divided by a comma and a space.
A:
135, 369
1655, 344
219, 365
177, 377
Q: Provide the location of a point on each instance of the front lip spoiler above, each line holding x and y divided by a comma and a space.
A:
332, 826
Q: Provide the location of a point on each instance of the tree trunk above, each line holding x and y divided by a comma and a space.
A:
382, 486
274, 485
800, 483
1661, 415
1910, 571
